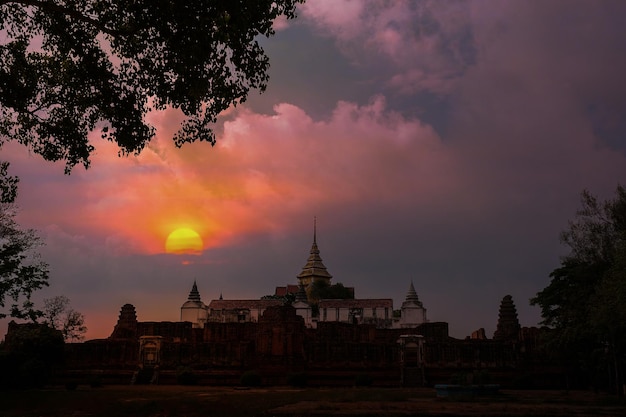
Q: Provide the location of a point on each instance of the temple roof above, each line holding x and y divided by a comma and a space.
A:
314, 267
288, 289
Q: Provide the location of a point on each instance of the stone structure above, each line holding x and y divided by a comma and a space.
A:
479, 334
314, 270
221, 341
412, 312
508, 325
369, 311
239, 311
412, 365
280, 344
194, 310
126, 327
150, 350
303, 308
378, 312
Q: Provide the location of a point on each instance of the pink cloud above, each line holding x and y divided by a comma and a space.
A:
264, 167
342, 17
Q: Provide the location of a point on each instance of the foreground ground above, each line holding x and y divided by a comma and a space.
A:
169, 401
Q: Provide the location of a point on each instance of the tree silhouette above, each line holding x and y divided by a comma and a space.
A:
59, 315
21, 270
69, 68
584, 302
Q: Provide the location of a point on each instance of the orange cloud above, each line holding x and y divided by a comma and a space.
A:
264, 170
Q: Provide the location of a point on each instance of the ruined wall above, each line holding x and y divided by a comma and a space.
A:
170, 331
102, 354
280, 344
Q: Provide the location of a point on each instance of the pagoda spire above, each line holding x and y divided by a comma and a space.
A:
194, 295
411, 296
314, 270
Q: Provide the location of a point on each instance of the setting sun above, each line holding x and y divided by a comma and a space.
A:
184, 241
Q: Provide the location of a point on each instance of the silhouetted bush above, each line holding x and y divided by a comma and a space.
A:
185, 376
250, 379
31, 355
363, 380
298, 379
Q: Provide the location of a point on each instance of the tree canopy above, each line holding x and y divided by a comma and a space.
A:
21, 270
320, 290
584, 302
70, 68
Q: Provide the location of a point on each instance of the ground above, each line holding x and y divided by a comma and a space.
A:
170, 401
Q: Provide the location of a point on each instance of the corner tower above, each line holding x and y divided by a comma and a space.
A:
314, 270
194, 310
508, 324
412, 312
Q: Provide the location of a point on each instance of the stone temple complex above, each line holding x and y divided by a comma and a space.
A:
378, 312
296, 332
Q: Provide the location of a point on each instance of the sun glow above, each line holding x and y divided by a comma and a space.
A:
184, 241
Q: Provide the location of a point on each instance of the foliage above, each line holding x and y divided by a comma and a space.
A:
33, 352
21, 270
69, 68
287, 299
250, 379
320, 290
583, 303
58, 314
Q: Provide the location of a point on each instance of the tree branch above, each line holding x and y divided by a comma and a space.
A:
75, 14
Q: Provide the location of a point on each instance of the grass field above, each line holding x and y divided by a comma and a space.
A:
170, 401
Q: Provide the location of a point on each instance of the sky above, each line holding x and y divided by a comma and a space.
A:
444, 143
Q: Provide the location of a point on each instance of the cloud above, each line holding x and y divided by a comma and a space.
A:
528, 102
265, 167
428, 43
